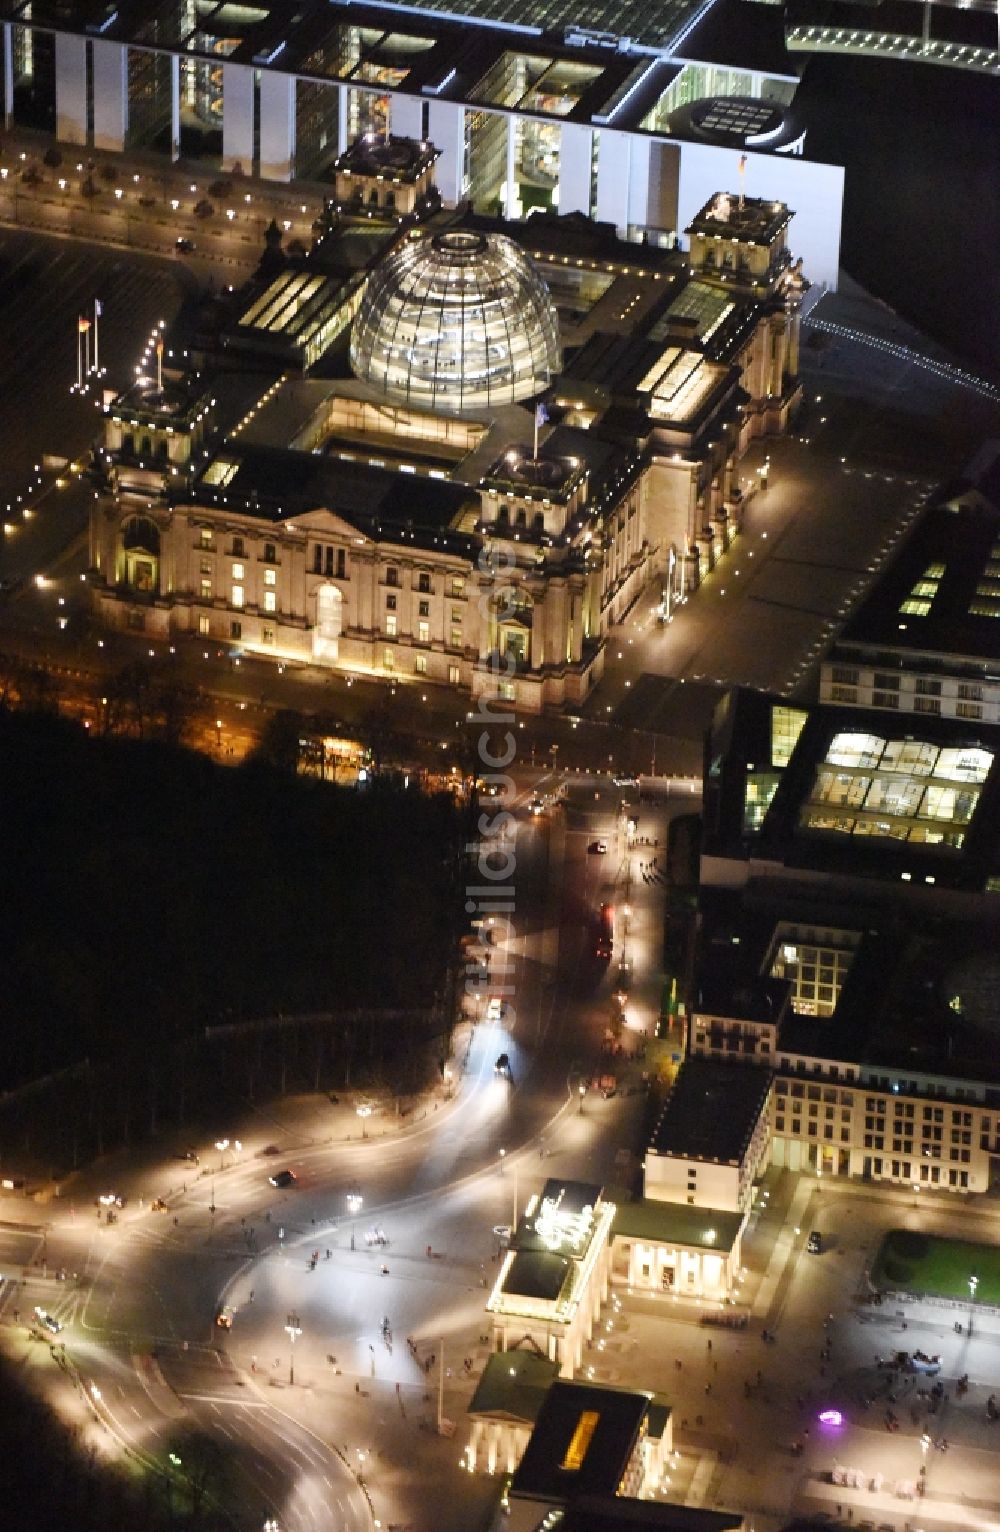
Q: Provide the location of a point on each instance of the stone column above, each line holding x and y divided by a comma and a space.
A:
110, 94
277, 125
8, 73
447, 133
71, 89
613, 179
237, 117
575, 150
175, 107
406, 116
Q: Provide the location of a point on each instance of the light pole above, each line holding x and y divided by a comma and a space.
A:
222, 1144
973, 1284
582, 1091
293, 1328
364, 1112
354, 1203
503, 1156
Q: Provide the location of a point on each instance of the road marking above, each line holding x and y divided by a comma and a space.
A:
246, 1404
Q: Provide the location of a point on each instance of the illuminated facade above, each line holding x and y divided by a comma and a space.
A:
458, 320
554, 1277
424, 521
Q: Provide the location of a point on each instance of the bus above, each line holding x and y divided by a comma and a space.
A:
604, 940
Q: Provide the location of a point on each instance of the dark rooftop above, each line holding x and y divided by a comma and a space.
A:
941, 595
583, 1440
700, 1228
392, 158
514, 1383
757, 222
712, 1111
537, 1274
600, 1513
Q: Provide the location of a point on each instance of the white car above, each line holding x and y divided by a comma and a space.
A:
494, 1009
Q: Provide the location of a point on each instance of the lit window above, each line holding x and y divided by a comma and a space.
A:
424, 632
270, 577
239, 572
206, 537
388, 659
203, 624
237, 596
270, 601
420, 664
206, 590
579, 1442
390, 624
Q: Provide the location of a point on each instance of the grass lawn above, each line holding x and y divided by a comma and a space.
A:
925, 1263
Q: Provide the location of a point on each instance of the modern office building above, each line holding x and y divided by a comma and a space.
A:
927, 638
847, 939
630, 114
445, 445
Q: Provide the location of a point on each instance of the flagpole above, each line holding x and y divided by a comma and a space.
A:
86, 347
97, 315
159, 366
79, 355
535, 453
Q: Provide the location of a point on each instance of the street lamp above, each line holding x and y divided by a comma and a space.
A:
364, 1112
973, 1284
582, 1093
292, 1328
503, 1156
222, 1144
354, 1202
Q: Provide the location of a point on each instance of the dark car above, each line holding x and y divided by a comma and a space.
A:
283, 1178
597, 847
502, 1065
814, 1244
184, 246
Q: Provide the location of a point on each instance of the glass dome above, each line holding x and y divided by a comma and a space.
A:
456, 321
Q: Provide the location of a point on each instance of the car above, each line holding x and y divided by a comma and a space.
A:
503, 1232
536, 806
494, 1008
46, 1319
184, 246
625, 781
224, 1318
814, 1244
597, 848
158, 1205
283, 1178
502, 1065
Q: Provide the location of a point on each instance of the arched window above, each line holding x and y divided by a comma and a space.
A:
140, 554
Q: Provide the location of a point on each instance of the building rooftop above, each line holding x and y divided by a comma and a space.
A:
711, 1112
597, 62
940, 597
562, 1219
854, 793
752, 220
514, 1384
537, 1274
583, 1440
388, 157
675, 1222
593, 1513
